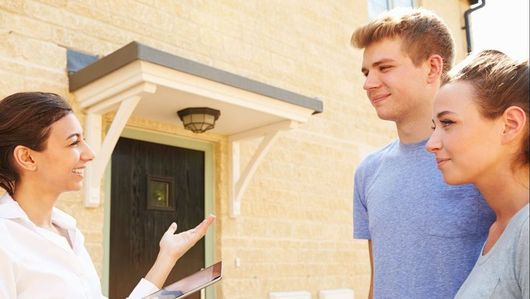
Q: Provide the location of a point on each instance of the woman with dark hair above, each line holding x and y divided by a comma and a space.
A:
42, 253
481, 137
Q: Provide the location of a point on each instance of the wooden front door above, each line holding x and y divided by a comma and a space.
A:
152, 186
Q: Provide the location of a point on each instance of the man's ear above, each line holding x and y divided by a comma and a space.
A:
435, 64
515, 122
22, 156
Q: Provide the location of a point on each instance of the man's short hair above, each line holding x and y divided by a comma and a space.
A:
422, 32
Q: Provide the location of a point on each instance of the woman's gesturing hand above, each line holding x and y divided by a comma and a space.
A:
176, 245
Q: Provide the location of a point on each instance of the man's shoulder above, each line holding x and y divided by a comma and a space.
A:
374, 158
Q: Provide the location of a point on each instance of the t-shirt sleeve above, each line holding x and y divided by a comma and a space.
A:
522, 260
360, 210
143, 289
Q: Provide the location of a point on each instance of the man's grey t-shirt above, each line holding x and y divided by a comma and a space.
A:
503, 272
426, 235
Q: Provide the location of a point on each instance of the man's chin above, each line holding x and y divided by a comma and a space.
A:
383, 115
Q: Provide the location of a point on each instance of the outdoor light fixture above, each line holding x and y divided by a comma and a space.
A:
198, 119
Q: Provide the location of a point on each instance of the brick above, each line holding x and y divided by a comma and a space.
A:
295, 228
12, 6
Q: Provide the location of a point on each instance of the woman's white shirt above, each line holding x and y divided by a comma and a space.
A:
36, 263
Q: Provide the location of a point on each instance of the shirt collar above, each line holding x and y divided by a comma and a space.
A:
10, 209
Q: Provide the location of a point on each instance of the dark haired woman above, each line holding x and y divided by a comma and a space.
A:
42, 255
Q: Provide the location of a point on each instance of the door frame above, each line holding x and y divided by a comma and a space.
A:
209, 204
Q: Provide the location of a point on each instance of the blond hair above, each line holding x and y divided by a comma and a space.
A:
422, 32
499, 82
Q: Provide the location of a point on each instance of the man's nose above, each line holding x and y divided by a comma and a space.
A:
371, 81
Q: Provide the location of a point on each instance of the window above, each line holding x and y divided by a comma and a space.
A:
376, 7
160, 193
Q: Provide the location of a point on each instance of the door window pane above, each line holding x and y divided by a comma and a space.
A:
159, 193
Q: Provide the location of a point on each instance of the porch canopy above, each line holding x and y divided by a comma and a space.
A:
152, 84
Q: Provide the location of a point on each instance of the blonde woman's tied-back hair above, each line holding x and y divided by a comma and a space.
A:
421, 31
498, 82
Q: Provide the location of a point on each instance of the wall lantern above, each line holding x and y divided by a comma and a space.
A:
198, 119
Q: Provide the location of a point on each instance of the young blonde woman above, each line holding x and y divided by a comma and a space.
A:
42, 253
481, 137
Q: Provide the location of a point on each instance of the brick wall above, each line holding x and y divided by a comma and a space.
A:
295, 228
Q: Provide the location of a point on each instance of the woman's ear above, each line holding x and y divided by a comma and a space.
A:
515, 122
435, 63
22, 156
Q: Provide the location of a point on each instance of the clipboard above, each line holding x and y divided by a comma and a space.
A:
190, 284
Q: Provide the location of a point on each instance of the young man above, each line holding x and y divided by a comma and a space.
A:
423, 235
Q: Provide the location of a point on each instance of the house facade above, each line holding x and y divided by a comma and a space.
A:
277, 169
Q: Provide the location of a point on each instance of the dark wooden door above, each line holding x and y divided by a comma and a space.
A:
152, 186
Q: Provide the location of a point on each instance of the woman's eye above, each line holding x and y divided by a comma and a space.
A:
385, 68
446, 122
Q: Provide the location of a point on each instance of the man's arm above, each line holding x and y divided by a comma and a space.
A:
360, 220
371, 293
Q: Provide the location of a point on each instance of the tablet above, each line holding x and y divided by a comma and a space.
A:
190, 284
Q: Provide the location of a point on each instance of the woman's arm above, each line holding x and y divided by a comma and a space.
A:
7, 277
173, 247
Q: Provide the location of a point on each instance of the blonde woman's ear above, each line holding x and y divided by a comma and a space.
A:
22, 156
515, 123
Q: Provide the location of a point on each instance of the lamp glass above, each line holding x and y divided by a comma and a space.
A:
200, 119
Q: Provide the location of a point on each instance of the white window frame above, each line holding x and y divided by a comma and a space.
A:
390, 4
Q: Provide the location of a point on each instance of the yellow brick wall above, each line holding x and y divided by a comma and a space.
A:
295, 228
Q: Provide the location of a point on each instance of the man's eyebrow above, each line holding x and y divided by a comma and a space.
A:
377, 63
384, 60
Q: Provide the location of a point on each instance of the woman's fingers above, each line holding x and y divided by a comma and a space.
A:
172, 229
202, 228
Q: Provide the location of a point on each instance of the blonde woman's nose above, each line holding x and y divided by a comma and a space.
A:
433, 144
